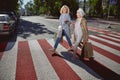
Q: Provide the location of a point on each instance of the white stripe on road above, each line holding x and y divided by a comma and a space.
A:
104, 47
43, 68
83, 71
112, 65
8, 62
104, 40
110, 37
114, 35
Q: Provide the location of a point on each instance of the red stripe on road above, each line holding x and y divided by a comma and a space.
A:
99, 50
100, 69
98, 30
116, 33
108, 39
25, 68
105, 43
112, 36
63, 70
107, 54
2, 48
104, 31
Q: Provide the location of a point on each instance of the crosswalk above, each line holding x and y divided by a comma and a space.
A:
32, 59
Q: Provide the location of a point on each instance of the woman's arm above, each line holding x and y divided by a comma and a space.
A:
85, 30
69, 19
61, 20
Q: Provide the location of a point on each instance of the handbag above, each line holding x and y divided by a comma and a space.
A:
57, 34
55, 37
87, 50
59, 27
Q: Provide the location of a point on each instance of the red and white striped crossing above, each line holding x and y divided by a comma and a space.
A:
32, 60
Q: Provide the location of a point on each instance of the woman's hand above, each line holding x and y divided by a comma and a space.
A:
85, 41
66, 21
73, 23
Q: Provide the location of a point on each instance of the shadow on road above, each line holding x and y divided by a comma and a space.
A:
103, 71
68, 56
24, 30
27, 28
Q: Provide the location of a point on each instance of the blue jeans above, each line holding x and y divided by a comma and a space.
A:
58, 39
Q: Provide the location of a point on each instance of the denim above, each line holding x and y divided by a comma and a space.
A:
59, 38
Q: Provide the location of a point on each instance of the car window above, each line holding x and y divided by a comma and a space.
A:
8, 18
2, 18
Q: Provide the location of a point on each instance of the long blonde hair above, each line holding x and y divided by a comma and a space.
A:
64, 6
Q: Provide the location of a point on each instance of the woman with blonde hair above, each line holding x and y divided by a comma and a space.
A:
65, 21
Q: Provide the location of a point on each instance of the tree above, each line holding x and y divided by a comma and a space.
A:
118, 9
92, 5
84, 5
53, 6
20, 2
29, 8
37, 5
95, 8
98, 8
73, 7
8, 5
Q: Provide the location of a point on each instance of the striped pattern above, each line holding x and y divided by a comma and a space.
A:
32, 60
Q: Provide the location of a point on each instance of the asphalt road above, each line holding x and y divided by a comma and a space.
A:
38, 27
26, 54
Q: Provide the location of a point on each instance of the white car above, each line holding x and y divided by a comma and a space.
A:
7, 25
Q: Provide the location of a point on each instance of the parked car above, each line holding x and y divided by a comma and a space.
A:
12, 15
7, 26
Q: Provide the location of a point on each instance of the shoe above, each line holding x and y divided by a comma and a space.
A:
86, 59
70, 49
53, 50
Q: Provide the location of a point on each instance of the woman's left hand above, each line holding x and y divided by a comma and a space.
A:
73, 22
66, 21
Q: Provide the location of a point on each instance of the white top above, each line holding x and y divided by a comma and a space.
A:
64, 26
78, 29
63, 18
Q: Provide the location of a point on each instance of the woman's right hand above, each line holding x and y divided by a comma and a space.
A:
73, 23
66, 21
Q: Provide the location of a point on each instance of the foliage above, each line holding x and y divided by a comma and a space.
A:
95, 8
52, 7
99, 10
118, 9
8, 5
29, 8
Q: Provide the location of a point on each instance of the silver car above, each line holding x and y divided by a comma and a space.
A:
7, 26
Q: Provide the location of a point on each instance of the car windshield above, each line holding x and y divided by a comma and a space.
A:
2, 18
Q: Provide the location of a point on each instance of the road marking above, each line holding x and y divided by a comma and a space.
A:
42, 65
25, 68
109, 38
104, 31
61, 67
105, 47
83, 71
8, 62
112, 65
105, 43
99, 68
105, 40
2, 48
